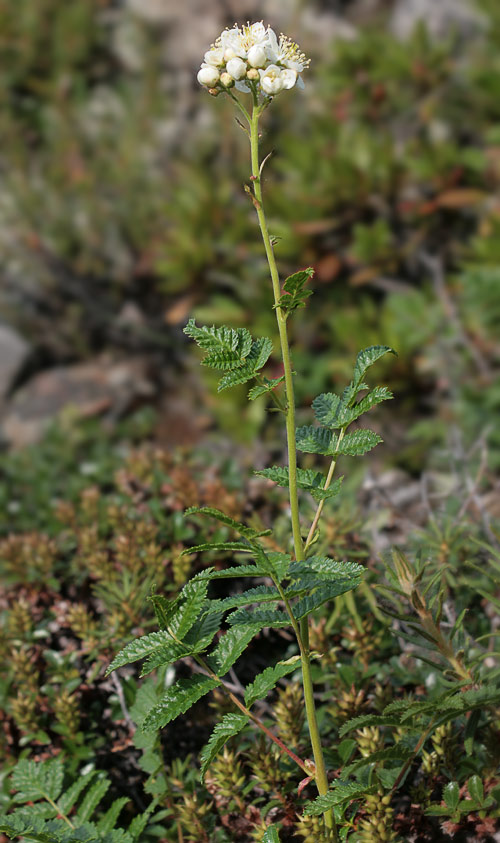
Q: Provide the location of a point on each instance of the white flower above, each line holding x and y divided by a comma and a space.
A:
208, 75
286, 52
214, 57
257, 56
288, 78
270, 80
241, 39
237, 68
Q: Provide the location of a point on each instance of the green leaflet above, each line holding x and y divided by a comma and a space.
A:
279, 564
327, 566
108, 821
340, 792
203, 630
258, 357
266, 681
260, 594
164, 609
392, 753
308, 479
368, 720
322, 594
271, 835
315, 440
230, 647
178, 699
320, 440
264, 388
332, 412
327, 408
92, 798
229, 726
164, 656
35, 781
357, 443
295, 295
191, 600
248, 532
239, 547
273, 620
367, 358
71, 794
235, 571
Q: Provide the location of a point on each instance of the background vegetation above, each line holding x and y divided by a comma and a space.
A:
122, 213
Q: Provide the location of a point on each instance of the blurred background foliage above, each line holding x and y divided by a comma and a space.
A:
122, 212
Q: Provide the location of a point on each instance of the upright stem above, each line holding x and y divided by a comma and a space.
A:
302, 635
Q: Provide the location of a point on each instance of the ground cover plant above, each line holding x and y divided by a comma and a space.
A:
395, 698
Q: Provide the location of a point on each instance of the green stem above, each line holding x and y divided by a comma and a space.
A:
321, 504
302, 634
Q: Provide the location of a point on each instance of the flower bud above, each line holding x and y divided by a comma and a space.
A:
229, 54
237, 68
214, 92
227, 80
253, 74
257, 56
215, 57
270, 80
208, 75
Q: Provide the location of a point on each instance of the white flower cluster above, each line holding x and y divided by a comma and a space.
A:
252, 56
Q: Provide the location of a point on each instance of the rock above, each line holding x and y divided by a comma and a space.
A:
14, 351
102, 386
440, 18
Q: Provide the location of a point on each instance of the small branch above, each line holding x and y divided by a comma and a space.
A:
121, 699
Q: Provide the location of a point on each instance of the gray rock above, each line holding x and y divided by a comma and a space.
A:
14, 351
102, 386
440, 16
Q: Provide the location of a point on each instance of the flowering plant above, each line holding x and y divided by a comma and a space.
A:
253, 60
